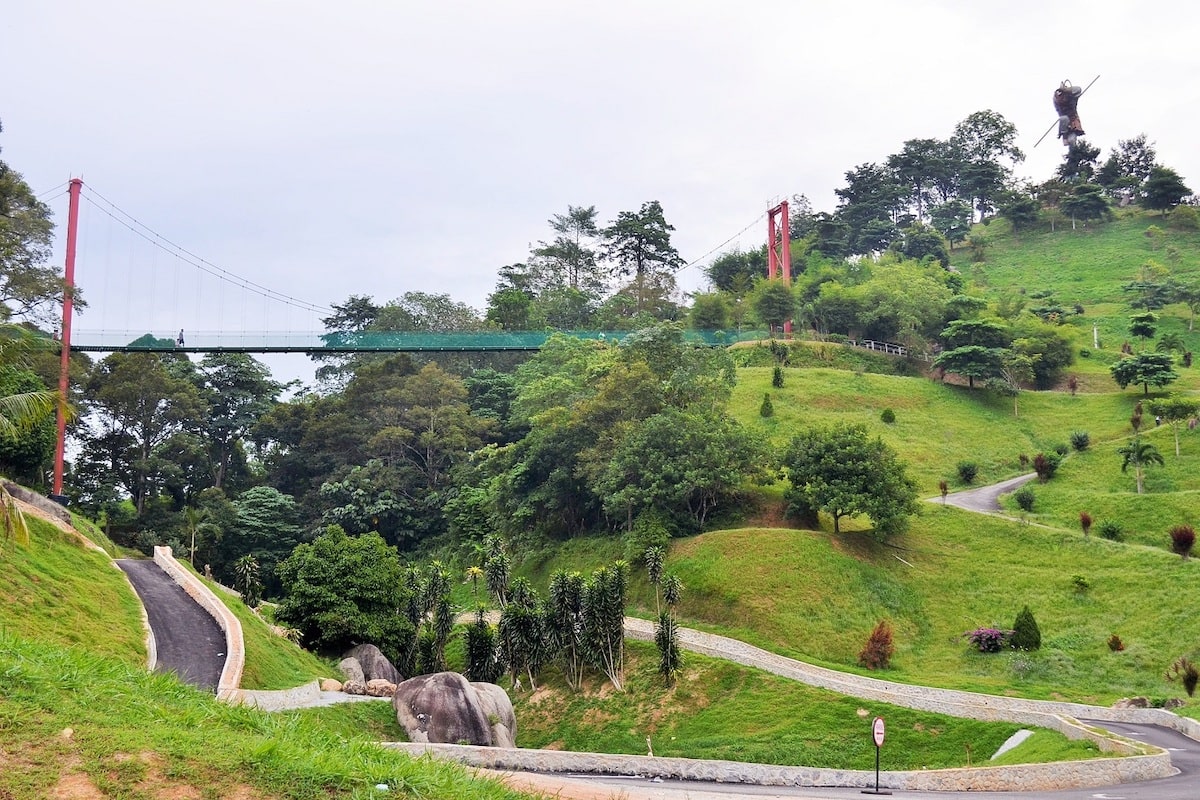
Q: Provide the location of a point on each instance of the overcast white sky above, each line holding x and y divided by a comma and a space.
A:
328, 149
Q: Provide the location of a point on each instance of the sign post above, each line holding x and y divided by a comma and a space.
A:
877, 733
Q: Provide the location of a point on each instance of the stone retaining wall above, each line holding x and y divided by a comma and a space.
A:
235, 650
1023, 777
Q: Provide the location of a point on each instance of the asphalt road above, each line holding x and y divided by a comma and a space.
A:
188, 639
985, 499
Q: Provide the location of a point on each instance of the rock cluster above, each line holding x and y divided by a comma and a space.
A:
446, 708
367, 671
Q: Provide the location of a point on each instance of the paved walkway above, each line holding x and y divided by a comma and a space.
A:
985, 499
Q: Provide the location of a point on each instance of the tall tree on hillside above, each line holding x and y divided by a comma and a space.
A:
638, 243
922, 166
238, 390
1175, 411
29, 290
870, 204
1148, 369
986, 144
1164, 190
137, 402
570, 260
1139, 454
840, 471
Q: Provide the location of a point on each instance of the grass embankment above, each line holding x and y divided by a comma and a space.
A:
720, 710
74, 723
80, 716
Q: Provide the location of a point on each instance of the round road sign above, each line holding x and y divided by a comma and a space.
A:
877, 731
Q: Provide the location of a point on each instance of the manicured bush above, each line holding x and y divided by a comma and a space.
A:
967, 471
888, 416
1024, 497
766, 409
1085, 522
988, 640
1182, 539
877, 653
777, 377
1111, 530
1080, 440
1115, 644
1026, 634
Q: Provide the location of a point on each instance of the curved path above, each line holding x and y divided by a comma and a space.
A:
188, 639
985, 499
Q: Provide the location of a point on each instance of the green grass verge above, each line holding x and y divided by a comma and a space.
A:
721, 710
138, 734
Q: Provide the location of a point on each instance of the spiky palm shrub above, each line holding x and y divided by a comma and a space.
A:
666, 631
655, 558
523, 634
1183, 537
440, 614
483, 657
1185, 672
497, 569
604, 620
246, 580
564, 625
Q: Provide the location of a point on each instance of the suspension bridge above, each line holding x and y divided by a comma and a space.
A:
162, 287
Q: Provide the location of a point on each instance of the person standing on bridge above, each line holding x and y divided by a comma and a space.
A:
179, 341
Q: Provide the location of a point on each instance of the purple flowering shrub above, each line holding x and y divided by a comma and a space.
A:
988, 640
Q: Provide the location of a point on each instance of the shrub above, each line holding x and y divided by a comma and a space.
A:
1024, 460
877, 653
888, 416
1080, 440
1045, 465
988, 640
1080, 583
766, 409
1085, 522
1026, 635
1186, 672
1115, 644
1061, 449
777, 377
1111, 530
967, 471
1184, 218
651, 528
1024, 497
1182, 539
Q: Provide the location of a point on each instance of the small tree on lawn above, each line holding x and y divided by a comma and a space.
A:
1085, 522
1183, 537
1139, 454
877, 653
1175, 411
767, 409
1147, 369
777, 377
1026, 635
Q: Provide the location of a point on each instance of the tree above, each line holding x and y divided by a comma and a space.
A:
981, 141
266, 529
710, 312
1021, 210
569, 259
1164, 190
29, 290
1183, 538
1143, 325
1026, 634
1016, 369
921, 241
639, 244
774, 303
736, 271
666, 630
877, 652
1147, 369
1175, 411
137, 403
922, 165
239, 391
1138, 454
953, 220
971, 362
841, 471
340, 590
1080, 163
604, 598
1086, 202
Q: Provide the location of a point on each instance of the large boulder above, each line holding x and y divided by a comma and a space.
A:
375, 665
351, 670
445, 708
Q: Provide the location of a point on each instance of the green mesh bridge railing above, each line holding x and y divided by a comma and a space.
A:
362, 342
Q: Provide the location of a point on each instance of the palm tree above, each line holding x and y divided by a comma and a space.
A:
195, 523
22, 411
1139, 454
